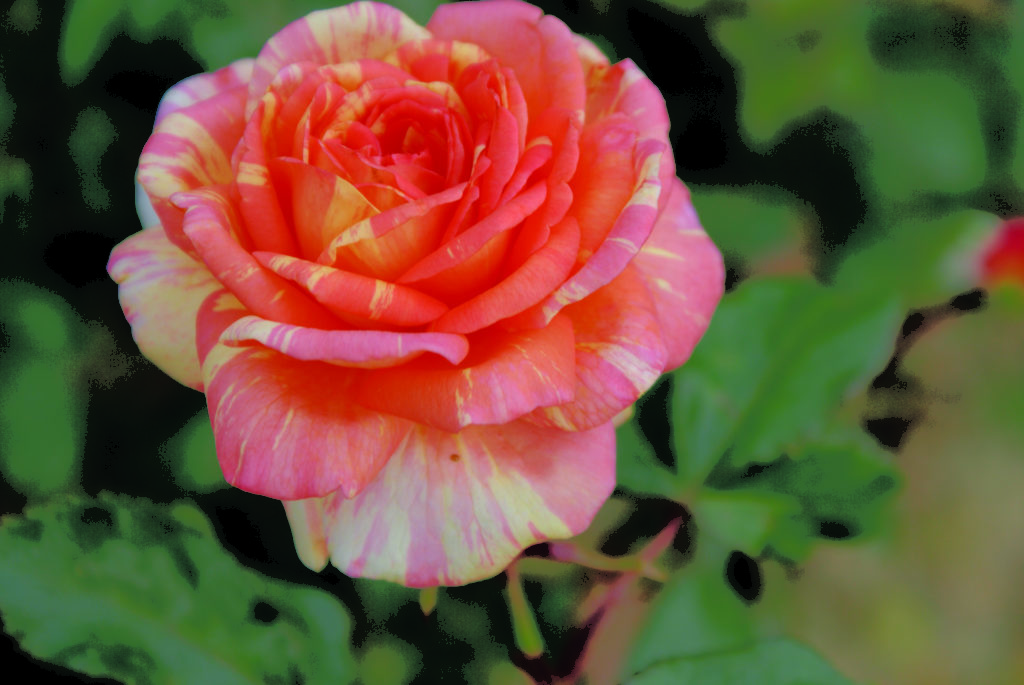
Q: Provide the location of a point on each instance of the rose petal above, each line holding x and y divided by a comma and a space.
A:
470, 241
161, 289
527, 285
629, 232
322, 204
333, 36
288, 429
384, 245
624, 89
505, 376
470, 503
539, 49
366, 349
306, 519
619, 354
355, 297
190, 148
212, 228
604, 181
204, 86
684, 273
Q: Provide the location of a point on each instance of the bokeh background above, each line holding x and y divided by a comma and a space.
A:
808, 132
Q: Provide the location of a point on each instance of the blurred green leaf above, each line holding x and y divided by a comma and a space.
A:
923, 262
381, 599
777, 360
925, 135
92, 135
42, 420
1014, 62
123, 588
752, 221
88, 26
770, 662
795, 56
636, 467
743, 519
837, 485
192, 456
43, 396
696, 612
389, 661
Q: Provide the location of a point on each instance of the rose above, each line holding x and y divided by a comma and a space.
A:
417, 273
1002, 258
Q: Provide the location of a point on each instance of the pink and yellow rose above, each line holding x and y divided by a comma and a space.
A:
417, 272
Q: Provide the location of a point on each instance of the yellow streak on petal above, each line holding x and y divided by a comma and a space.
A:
383, 294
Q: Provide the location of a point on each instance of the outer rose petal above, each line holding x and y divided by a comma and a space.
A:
619, 354
450, 509
204, 86
367, 349
288, 429
539, 49
190, 148
332, 36
212, 227
684, 273
161, 289
505, 376
628, 234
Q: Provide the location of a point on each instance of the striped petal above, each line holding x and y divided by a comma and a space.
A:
470, 503
354, 297
204, 86
288, 429
386, 244
322, 204
684, 274
161, 289
624, 89
332, 36
619, 354
504, 377
470, 241
539, 49
191, 148
628, 234
212, 227
531, 282
365, 349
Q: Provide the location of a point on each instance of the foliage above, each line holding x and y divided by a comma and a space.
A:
124, 588
753, 453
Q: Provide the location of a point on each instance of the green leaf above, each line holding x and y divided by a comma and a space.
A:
918, 147
743, 519
923, 262
778, 358
636, 467
795, 56
771, 662
43, 397
192, 456
696, 612
122, 588
389, 661
837, 486
752, 221
88, 25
